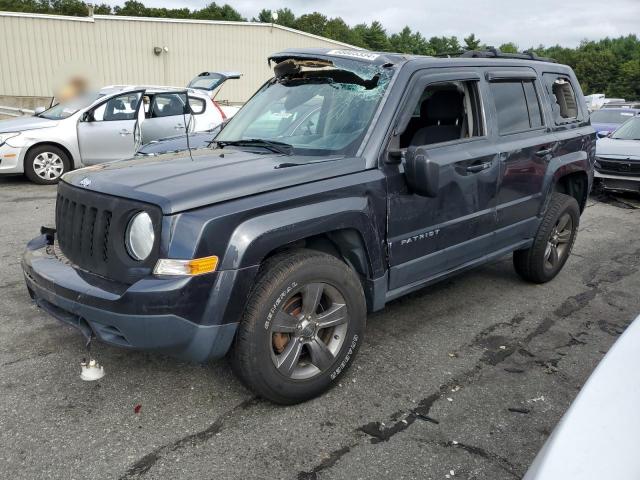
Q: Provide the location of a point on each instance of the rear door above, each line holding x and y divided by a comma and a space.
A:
111, 130
526, 146
168, 115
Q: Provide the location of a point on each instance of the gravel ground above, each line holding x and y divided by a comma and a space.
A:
468, 376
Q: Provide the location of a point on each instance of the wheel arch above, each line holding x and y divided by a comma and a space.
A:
344, 228
568, 174
574, 184
54, 144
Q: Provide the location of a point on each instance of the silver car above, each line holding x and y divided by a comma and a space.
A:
618, 158
99, 127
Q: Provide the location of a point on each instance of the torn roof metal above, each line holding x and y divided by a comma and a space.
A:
365, 56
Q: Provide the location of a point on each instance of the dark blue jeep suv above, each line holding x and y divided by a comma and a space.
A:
273, 243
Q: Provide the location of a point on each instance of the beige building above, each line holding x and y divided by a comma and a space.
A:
40, 52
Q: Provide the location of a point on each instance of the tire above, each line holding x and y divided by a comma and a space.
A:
276, 352
45, 164
553, 241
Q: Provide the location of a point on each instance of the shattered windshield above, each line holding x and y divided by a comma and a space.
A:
314, 106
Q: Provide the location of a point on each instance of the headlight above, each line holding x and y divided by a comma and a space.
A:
139, 236
6, 136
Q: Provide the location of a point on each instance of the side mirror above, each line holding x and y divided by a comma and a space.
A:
87, 117
602, 134
39, 110
423, 174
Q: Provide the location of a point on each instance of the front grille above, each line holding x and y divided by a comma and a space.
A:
83, 231
90, 229
619, 167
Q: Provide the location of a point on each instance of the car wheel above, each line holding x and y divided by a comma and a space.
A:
553, 242
302, 327
45, 164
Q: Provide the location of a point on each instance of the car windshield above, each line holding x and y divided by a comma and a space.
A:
66, 109
628, 131
318, 111
610, 116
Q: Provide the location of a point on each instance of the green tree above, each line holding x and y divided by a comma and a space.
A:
102, 9
471, 42
131, 8
628, 84
442, 45
265, 16
375, 37
312, 23
337, 29
286, 17
215, 12
508, 47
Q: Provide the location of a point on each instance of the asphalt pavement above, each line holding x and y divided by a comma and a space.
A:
465, 379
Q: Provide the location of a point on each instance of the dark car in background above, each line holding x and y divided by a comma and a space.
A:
606, 120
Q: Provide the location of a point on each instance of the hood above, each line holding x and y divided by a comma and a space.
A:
615, 148
176, 182
21, 124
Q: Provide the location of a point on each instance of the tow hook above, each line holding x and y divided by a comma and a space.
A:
90, 368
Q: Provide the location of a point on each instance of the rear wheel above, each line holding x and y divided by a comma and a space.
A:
302, 327
553, 242
45, 164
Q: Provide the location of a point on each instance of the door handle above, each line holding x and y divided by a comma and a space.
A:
125, 132
544, 152
179, 126
478, 167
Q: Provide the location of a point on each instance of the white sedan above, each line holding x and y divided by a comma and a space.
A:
99, 127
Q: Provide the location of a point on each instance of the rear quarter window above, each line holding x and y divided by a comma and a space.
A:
564, 103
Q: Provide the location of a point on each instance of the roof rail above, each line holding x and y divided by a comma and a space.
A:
492, 52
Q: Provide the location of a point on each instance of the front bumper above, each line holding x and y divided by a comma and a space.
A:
176, 316
11, 159
618, 182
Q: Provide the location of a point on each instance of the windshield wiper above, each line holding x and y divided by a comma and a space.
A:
272, 145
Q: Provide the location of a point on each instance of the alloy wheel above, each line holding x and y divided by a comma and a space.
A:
308, 331
48, 166
558, 243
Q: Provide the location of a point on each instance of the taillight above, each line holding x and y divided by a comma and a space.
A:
215, 104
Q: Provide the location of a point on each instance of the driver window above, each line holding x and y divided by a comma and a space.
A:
122, 107
445, 112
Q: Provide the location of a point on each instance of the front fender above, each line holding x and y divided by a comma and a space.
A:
255, 238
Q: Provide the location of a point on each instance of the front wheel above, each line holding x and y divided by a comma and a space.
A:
45, 164
302, 326
552, 243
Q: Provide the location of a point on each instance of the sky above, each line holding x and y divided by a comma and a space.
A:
524, 22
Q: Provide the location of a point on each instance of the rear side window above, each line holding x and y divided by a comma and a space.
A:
167, 105
517, 106
563, 98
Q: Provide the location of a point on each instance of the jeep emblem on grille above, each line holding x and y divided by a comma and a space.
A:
85, 182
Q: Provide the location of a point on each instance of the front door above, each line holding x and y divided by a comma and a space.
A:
111, 131
430, 236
